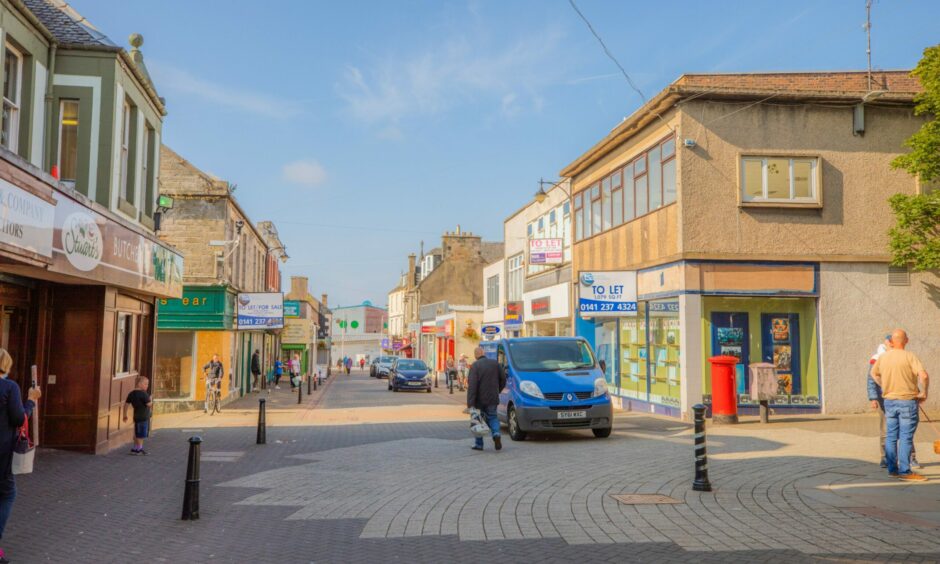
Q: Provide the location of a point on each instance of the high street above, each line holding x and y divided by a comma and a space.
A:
360, 474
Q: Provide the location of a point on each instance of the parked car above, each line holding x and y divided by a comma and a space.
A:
409, 374
381, 366
552, 383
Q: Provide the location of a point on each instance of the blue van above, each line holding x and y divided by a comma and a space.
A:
552, 383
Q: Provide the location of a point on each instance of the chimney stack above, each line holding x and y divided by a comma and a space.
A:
323, 300
411, 272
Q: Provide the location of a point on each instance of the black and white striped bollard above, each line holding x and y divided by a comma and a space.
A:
701, 483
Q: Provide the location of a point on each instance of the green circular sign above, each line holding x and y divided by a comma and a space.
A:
354, 324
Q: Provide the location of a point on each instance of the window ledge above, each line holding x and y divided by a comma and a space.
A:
783, 205
127, 208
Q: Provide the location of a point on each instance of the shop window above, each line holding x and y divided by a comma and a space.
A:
125, 346
68, 141
605, 204
779, 180
663, 328
633, 355
174, 369
12, 93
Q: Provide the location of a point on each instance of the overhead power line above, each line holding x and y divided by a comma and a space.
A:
611, 56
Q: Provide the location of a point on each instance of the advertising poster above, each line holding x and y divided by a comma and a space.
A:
292, 309
546, 251
607, 294
731, 341
513, 317
260, 310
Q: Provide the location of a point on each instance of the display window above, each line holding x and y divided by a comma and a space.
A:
779, 331
663, 358
174, 368
605, 348
633, 380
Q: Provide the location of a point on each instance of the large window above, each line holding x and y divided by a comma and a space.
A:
645, 184
68, 140
12, 93
514, 278
492, 291
779, 180
174, 368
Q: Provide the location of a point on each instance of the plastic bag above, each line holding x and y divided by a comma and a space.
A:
24, 451
478, 426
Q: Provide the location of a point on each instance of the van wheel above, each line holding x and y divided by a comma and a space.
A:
515, 433
602, 433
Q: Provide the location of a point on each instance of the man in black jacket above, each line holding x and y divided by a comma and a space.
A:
255, 370
486, 380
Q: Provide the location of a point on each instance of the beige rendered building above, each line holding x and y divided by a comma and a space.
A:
747, 215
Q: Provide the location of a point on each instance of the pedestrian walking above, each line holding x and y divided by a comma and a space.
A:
904, 384
487, 379
877, 402
141, 401
255, 370
348, 365
13, 414
362, 364
278, 372
463, 365
295, 371
450, 371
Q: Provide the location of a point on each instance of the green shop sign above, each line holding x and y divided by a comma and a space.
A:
206, 307
291, 308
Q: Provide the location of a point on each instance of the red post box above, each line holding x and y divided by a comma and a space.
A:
724, 395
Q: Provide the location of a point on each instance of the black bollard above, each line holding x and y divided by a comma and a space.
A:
436, 374
300, 392
262, 432
309, 378
191, 491
701, 483
450, 380
316, 380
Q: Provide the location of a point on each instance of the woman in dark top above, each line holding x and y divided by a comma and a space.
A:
13, 414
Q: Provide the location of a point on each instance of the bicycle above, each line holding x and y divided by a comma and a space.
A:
213, 395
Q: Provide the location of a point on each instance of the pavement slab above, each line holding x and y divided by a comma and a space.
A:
410, 489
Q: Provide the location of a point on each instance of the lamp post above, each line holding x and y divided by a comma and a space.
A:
541, 195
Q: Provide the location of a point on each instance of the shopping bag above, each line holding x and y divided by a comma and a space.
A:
478, 425
24, 451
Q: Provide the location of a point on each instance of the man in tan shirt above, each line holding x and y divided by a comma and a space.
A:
904, 383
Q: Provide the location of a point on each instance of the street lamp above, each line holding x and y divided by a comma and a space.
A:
542, 195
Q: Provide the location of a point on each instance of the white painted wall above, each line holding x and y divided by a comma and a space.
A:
559, 294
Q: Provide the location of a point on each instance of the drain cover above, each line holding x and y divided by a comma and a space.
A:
644, 499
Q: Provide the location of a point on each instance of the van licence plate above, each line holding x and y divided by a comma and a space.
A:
572, 414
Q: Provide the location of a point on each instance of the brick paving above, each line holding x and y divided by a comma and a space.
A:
414, 492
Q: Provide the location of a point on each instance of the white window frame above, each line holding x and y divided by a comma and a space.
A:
145, 162
515, 267
763, 159
14, 105
125, 150
62, 102
492, 291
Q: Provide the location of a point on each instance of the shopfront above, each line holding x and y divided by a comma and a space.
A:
656, 357
190, 330
78, 289
546, 311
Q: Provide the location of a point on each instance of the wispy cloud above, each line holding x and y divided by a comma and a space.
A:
306, 172
465, 69
179, 81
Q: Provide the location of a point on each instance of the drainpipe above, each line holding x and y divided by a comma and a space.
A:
50, 97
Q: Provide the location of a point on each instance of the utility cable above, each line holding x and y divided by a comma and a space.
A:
614, 59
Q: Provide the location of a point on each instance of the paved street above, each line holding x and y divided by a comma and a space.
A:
371, 488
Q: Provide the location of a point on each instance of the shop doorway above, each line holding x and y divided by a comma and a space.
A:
13, 337
730, 337
780, 346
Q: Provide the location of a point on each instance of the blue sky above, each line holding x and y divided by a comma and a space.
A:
363, 128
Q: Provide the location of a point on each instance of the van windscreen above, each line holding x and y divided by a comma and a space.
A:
550, 355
